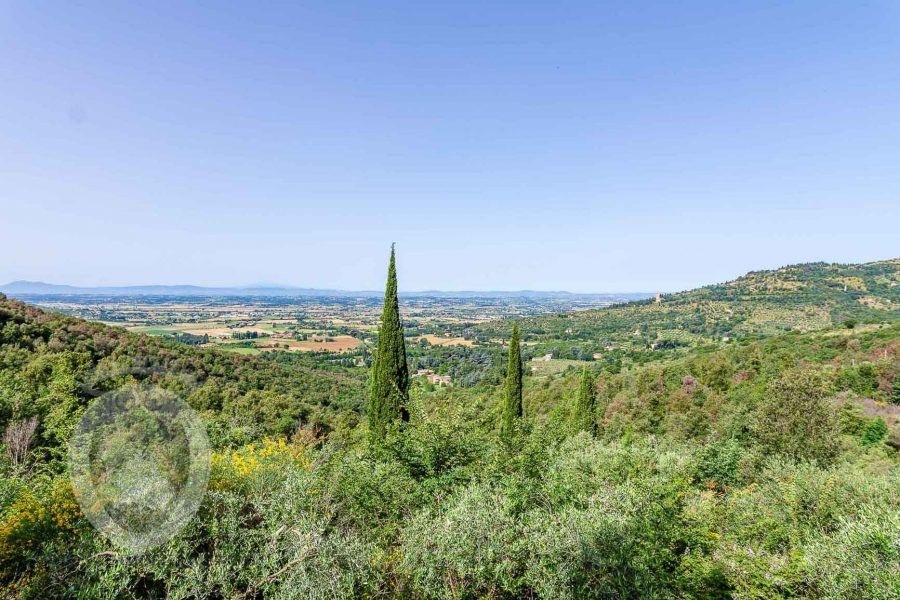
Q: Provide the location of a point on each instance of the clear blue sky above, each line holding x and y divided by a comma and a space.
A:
595, 146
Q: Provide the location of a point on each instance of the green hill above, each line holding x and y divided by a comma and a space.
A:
805, 297
51, 365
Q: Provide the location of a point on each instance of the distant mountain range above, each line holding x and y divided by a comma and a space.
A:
24, 289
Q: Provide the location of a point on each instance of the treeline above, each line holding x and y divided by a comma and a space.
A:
245, 335
190, 339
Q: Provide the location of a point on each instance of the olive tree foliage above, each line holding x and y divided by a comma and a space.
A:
796, 418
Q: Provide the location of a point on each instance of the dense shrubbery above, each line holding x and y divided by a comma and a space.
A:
763, 470
577, 518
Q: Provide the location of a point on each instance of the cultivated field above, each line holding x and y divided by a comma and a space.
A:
340, 325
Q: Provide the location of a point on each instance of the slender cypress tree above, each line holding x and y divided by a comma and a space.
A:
389, 386
512, 407
585, 405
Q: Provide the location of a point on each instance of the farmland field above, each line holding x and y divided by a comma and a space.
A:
337, 325
555, 366
436, 340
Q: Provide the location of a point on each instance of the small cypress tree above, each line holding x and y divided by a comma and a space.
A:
586, 404
389, 385
512, 406
895, 392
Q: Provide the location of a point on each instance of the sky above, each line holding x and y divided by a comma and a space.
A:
582, 146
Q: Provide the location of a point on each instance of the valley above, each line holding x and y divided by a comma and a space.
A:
309, 323
699, 441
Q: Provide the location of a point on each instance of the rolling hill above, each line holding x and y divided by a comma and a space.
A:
805, 297
52, 365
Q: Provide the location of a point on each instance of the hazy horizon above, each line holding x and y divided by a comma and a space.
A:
403, 290
278, 286
580, 146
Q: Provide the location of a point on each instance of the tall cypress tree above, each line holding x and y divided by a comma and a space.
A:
512, 406
586, 404
389, 386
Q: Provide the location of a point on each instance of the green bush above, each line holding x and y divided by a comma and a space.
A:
859, 560
874, 432
471, 547
719, 463
796, 419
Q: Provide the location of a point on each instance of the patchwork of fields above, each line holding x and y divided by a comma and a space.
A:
340, 325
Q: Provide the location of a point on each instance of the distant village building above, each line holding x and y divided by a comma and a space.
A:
433, 378
658, 297
441, 380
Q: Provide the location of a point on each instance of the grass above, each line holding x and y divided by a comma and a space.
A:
238, 349
157, 331
437, 340
554, 366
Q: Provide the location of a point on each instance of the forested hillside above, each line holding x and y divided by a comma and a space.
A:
763, 468
51, 365
801, 298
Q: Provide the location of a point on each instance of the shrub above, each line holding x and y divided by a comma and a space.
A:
37, 517
472, 547
719, 463
367, 494
437, 447
861, 559
796, 419
231, 470
874, 432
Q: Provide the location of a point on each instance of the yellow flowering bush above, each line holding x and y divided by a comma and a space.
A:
231, 469
36, 518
